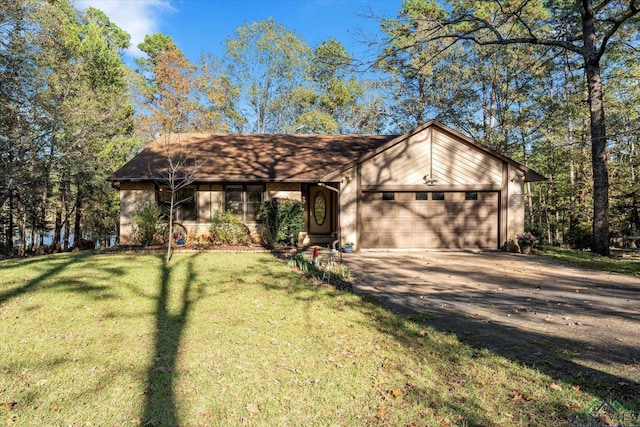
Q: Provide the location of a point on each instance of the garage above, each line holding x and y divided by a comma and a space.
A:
430, 219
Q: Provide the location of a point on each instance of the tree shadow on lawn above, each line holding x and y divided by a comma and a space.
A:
457, 402
160, 403
46, 278
567, 358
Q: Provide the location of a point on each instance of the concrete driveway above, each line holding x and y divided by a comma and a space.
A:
569, 321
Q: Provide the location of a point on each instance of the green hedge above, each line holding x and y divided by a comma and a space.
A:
282, 221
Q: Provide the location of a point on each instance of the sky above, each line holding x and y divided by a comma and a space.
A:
198, 26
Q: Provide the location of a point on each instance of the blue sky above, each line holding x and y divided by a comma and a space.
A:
203, 25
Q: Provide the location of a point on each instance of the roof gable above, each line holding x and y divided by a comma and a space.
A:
529, 174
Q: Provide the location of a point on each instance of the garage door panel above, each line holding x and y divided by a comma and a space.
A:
437, 210
387, 224
380, 240
420, 209
409, 221
405, 225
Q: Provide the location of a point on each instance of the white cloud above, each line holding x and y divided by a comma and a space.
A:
136, 17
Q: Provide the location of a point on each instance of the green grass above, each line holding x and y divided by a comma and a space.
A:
230, 339
594, 261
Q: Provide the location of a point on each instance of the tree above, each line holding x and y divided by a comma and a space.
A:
63, 101
267, 62
173, 111
351, 105
623, 80
87, 107
584, 28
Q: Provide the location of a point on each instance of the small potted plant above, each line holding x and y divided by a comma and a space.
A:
348, 247
179, 238
526, 241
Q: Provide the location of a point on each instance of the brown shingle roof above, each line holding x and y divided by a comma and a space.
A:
236, 157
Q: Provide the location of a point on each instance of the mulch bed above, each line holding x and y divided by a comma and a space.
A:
197, 248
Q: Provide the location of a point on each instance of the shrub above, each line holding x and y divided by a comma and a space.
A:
527, 239
148, 222
4, 249
579, 237
196, 238
282, 221
226, 229
536, 230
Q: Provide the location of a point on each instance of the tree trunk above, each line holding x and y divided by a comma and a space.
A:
42, 219
170, 237
77, 229
57, 229
600, 241
67, 215
21, 227
11, 225
67, 231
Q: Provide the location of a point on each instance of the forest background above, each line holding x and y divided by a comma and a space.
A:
517, 76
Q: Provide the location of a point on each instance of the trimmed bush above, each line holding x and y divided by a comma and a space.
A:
226, 229
148, 222
282, 221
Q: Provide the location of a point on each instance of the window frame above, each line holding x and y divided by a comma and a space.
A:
245, 214
179, 210
319, 196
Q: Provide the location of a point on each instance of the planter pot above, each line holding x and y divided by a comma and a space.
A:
348, 249
525, 249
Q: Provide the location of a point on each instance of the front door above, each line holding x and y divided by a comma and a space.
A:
320, 211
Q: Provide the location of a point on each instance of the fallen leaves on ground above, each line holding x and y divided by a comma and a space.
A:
516, 396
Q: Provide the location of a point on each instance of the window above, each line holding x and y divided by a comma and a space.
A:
254, 198
185, 206
319, 208
244, 201
421, 196
471, 195
388, 196
437, 196
233, 200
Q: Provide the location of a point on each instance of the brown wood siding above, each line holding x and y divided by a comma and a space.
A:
436, 155
407, 223
456, 163
405, 163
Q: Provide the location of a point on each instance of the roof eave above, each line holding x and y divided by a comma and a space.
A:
219, 180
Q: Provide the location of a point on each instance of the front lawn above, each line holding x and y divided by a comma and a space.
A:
230, 339
594, 261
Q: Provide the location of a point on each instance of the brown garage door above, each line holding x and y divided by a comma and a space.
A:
430, 220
